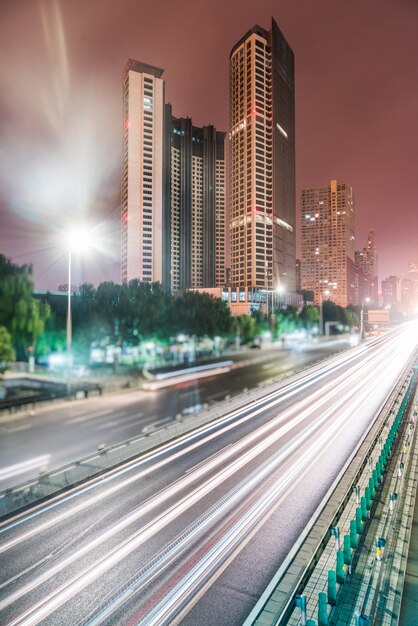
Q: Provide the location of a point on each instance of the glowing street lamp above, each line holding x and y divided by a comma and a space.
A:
362, 318
77, 240
280, 289
325, 293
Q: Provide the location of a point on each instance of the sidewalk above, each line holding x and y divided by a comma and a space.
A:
409, 602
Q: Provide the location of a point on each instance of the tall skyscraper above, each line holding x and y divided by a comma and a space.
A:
142, 177
262, 161
197, 206
367, 260
413, 277
406, 294
328, 241
173, 190
391, 291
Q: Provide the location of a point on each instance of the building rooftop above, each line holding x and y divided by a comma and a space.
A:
143, 68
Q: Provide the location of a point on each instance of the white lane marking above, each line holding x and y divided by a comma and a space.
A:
106, 425
88, 416
24, 466
126, 424
162, 421
17, 429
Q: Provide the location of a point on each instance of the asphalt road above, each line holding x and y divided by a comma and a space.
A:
192, 532
57, 435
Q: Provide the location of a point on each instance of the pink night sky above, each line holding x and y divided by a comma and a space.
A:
61, 111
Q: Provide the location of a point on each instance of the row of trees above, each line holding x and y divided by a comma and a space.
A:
130, 313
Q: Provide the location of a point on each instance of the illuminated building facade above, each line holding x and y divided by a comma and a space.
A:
391, 291
262, 161
367, 260
328, 242
413, 277
142, 178
172, 190
197, 206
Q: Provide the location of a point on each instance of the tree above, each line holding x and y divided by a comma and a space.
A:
6, 348
244, 326
22, 315
287, 320
334, 313
199, 314
309, 316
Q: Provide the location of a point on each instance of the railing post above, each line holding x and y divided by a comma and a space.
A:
363, 509
347, 552
359, 523
335, 532
322, 609
367, 496
300, 602
392, 498
353, 534
372, 489
332, 587
340, 568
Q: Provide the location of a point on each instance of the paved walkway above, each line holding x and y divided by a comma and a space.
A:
409, 606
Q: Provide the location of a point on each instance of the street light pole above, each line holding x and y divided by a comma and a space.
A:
267, 293
362, 318
69, 325
77, 240
321, 309
320, 313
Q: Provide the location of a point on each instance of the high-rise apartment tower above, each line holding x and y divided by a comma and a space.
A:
197, 206
172, 190
328, 242
142, 181
262, 161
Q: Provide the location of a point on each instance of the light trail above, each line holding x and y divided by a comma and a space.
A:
169, 382
24, 466
140, 475
266, 501
197, 474
170, 607
289, 390
126, 547
379, 367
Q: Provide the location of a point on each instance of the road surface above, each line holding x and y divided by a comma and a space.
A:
57, 435
191, 533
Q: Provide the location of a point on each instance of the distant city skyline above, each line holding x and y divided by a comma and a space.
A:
60, 113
